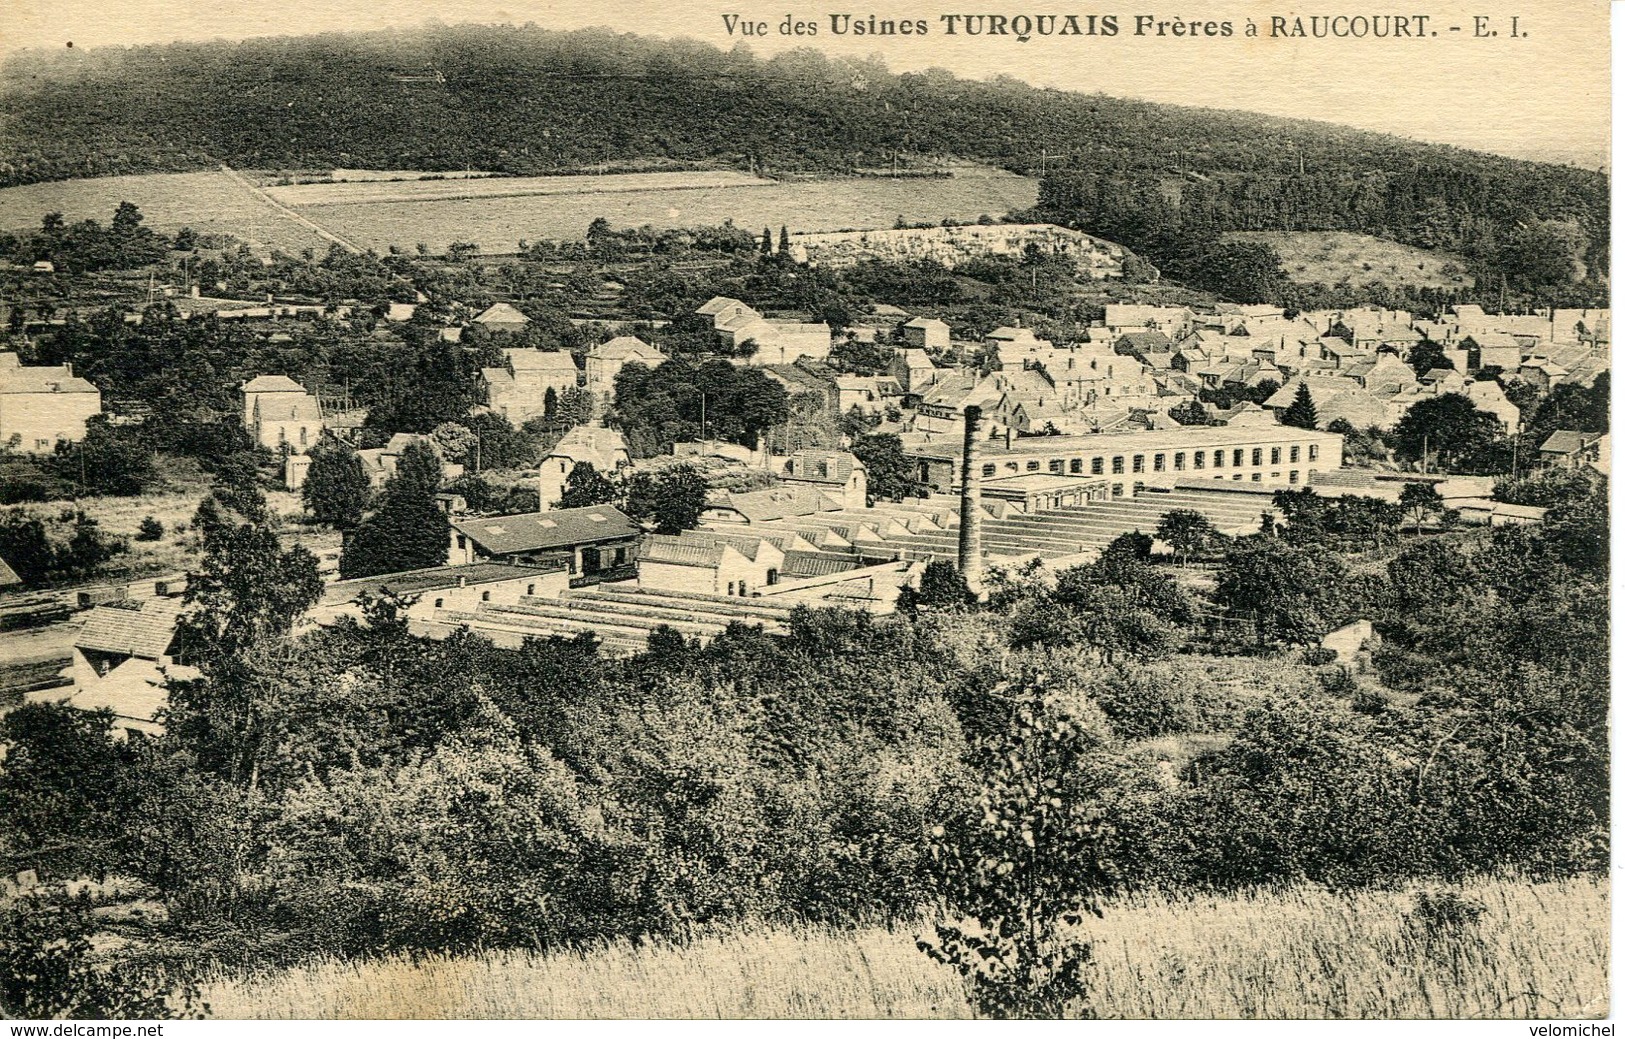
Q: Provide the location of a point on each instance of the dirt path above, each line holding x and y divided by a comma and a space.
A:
282, 210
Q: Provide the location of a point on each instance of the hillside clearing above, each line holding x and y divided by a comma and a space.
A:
1538, 950
443, 188
209, 203
1328, 257
499, 215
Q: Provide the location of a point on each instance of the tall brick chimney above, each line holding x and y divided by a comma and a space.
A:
970, 503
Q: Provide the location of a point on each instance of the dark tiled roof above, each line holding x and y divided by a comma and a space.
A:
535, 531
682, 551
135, 629
1567, 442
817, 564
429, 579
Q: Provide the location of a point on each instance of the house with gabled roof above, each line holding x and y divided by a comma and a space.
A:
1442, 380
604, 449
914, 370
1492, 350
605, 361
380, 463
123, 660
1141, 344
776, 341
774, 503
281, 415
43, 405
1383, 374
502, 317
1487, 395
1135, 317
927, 333
1542, 374
1571, 449
837, 473
1013, 340
530, 383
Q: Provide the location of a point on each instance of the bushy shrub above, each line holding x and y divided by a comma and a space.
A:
49, 970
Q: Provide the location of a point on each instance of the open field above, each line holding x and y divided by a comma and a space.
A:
1538, 950
1329, 257
337, 193
497, 212
491, 214
209, 203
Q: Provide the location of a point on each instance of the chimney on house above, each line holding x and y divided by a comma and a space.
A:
970, 504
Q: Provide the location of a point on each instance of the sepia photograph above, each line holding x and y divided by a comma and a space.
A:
781, 511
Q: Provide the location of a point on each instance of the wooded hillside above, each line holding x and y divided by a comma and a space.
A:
528, 101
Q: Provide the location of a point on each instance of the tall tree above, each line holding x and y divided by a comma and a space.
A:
1026, 861
575, 406
1448, 426
1301, 412
408, 530
247, 587
586, 486
1294, 594
336, 490
672, 498
1186, 530
1189, 413
891, 475
1420, 500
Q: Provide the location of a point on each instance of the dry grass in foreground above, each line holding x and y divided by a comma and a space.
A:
1538, 950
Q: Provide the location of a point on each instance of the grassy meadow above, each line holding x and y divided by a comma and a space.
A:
1537, 950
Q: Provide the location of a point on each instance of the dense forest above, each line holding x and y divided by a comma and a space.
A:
524, 100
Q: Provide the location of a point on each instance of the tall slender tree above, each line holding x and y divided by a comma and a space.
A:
1301, 412
408, 530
